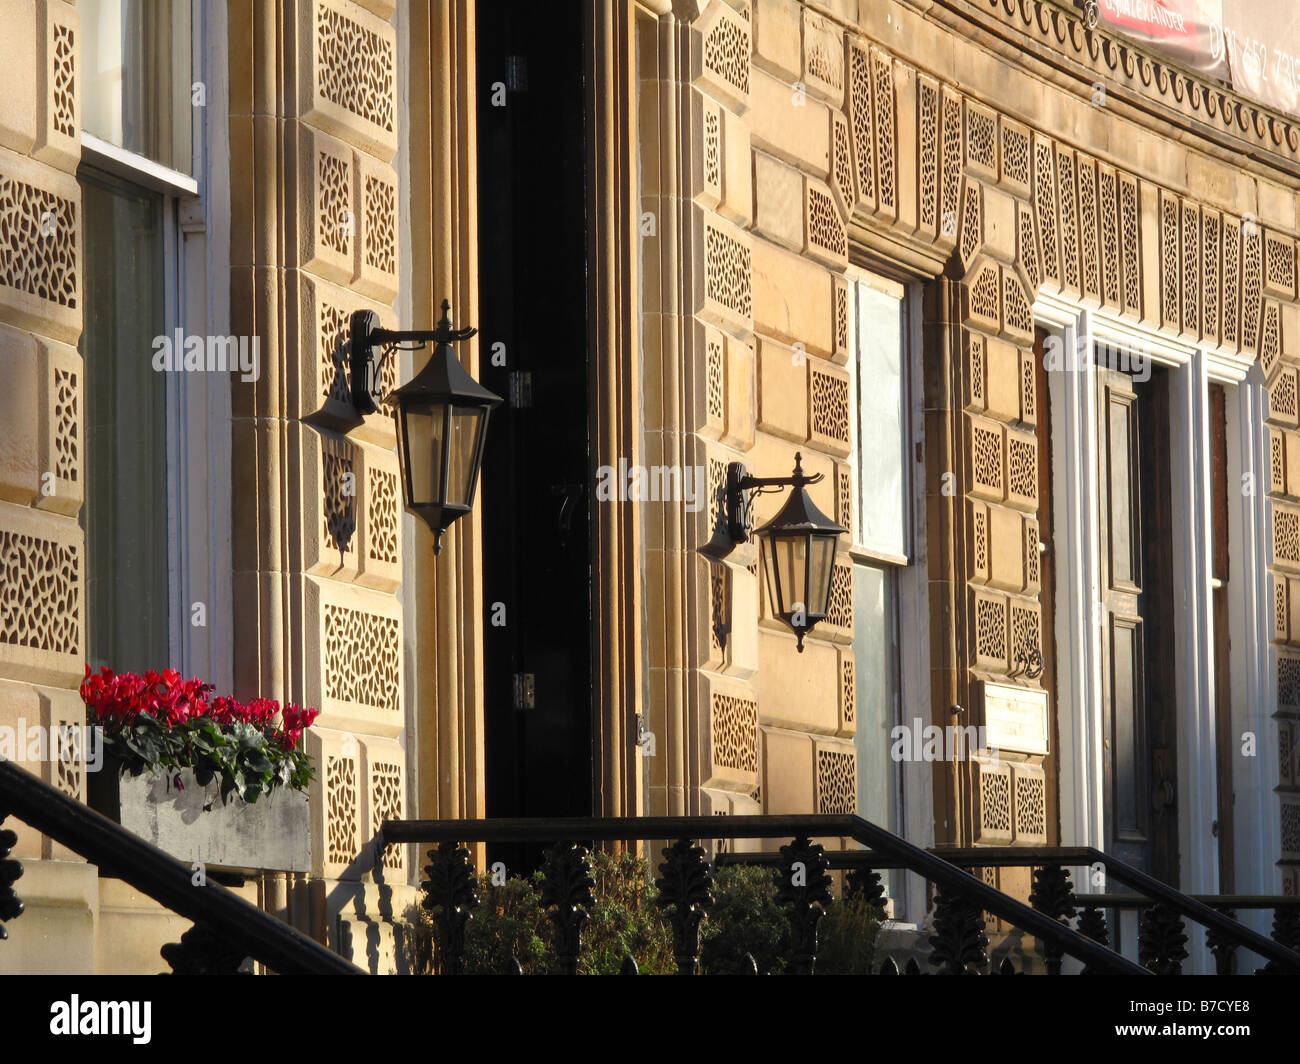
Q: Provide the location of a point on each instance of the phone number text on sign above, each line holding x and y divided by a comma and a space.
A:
1255, 59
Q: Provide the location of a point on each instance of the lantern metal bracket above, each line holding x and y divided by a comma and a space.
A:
366, 336
742, 489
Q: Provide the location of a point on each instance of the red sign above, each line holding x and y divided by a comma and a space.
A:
1186, 30
1254, 45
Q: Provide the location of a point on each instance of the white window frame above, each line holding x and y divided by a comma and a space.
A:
196, 248
1076, 554
181, 90
914, 814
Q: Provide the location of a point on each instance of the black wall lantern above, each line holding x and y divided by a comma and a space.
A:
798, 545
442, 415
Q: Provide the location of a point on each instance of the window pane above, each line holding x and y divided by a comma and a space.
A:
136, 56
875, 657
125, 516
881, 444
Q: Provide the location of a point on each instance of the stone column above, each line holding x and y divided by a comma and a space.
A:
317, 534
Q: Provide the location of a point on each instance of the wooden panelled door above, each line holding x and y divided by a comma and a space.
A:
1136, 632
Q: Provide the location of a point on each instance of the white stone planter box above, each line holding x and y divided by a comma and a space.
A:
193, 825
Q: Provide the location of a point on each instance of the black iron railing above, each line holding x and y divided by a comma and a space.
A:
226, 930
1162, 909
685, 877
1162, 935
1285, 930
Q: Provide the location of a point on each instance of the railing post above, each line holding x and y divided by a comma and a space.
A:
1053, 895
11, 906
1286, 932
566, 884
959, 942
1286, 926
803, 886
1092, 924
685, 889
450, 893
1223, 947
865, 884
1162, 940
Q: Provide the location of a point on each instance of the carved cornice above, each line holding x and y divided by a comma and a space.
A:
1048, 35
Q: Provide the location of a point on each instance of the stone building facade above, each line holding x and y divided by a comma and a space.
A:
1008, 165
766, 183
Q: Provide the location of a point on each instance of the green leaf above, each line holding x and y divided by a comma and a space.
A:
225, 758
256, 762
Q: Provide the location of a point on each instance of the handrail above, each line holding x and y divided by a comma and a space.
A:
837, 859
1227, 901
822, 825
128, 857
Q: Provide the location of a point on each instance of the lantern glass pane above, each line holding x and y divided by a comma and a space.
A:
791, 554
424, 428
775, 596
819, 572
465, 421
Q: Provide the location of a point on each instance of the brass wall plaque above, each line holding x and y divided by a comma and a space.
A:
1015, 718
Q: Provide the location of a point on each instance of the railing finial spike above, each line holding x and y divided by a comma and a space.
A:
450, 894
566, 891
685, 886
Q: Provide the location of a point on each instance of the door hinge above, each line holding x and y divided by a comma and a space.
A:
525, 690
521, 389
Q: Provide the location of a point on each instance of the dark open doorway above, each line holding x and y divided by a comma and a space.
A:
536, 525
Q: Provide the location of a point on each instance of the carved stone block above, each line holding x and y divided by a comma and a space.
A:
348, 75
